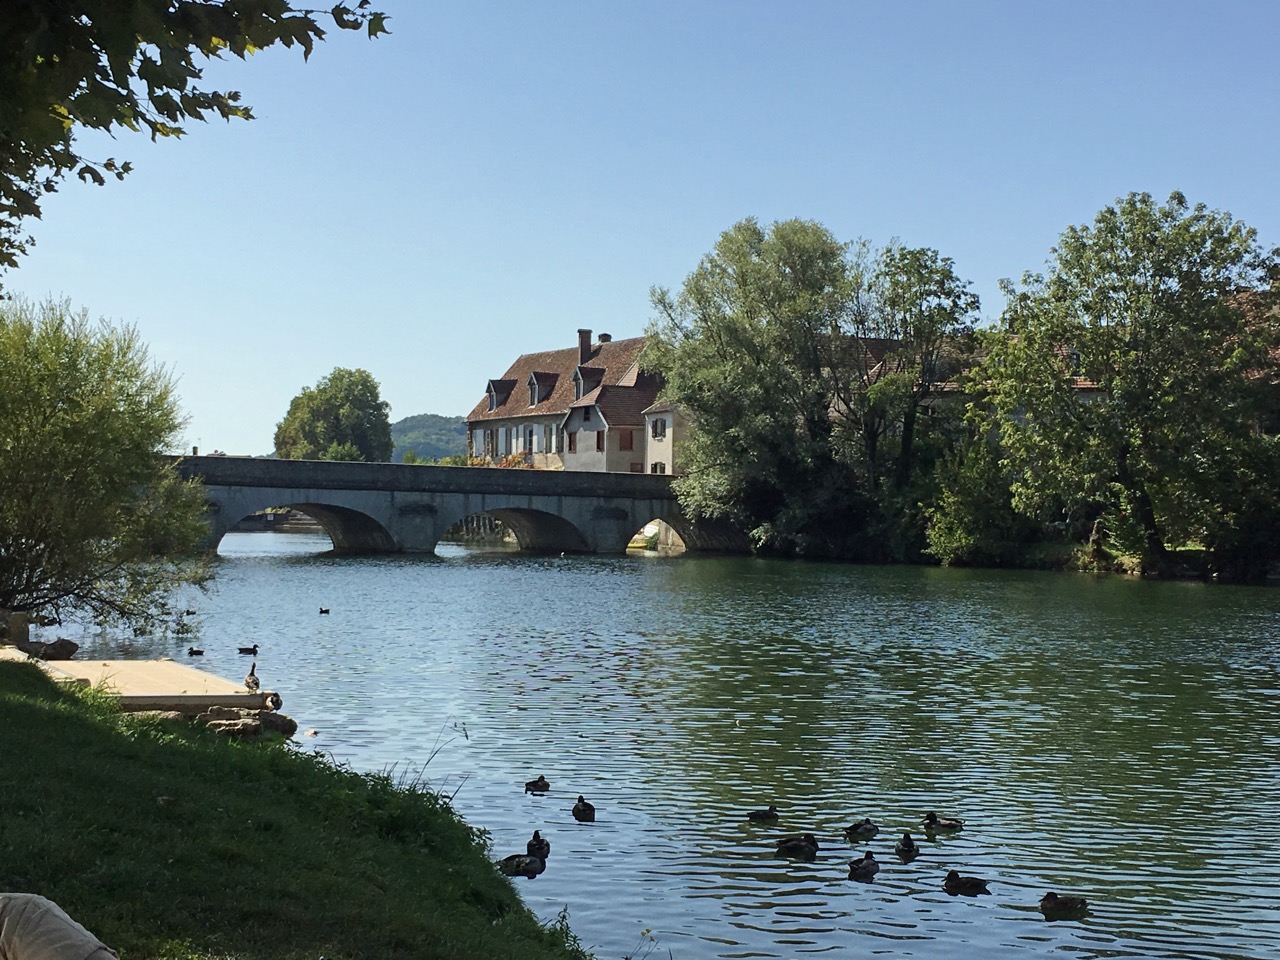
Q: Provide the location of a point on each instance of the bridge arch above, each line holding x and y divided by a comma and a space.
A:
351, 527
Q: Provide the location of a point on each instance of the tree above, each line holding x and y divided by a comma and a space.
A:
342, 418
1130, 382
803, 363
93, 519
741, 348
103, 65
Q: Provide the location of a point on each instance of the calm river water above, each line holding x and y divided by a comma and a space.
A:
1104, 737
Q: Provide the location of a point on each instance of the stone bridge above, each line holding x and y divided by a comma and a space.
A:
395, 507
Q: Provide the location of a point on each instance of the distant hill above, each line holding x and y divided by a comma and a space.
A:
429, 435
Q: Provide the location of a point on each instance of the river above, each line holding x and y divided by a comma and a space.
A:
1102, 737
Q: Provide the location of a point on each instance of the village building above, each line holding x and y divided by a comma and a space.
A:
580, 408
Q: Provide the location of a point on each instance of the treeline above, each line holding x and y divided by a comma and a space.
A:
1120, 414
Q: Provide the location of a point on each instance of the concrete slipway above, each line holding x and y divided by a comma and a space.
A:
150, 684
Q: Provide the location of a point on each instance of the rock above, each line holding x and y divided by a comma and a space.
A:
225, 713
171, 717
59, 649
227, 720
273, 722
245, 729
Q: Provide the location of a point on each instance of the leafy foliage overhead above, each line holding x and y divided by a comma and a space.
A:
123, 64
93, 519
342, 418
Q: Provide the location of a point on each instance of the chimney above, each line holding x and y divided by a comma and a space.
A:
606, 337
584, 346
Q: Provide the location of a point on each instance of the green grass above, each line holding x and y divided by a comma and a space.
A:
176, 844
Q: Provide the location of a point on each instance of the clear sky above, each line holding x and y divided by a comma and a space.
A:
494, 175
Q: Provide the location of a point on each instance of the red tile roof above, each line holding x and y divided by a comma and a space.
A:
611, 379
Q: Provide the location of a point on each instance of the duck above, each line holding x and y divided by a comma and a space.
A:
538, 785
861, 831
522, 865
803, 845
906, 848
864, 869
193, 652
1055, 907
770, 813
932, 821
324, 611
249, 651
538, 846
251, 681
583, 811
965, 886
188, 613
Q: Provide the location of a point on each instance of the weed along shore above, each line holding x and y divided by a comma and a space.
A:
170, 842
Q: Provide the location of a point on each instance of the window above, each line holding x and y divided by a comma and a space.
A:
657, 467
559, 440
491, 444
599, 441
658, 428
627, 440
573, 441
547, 436
533, 393
528, 440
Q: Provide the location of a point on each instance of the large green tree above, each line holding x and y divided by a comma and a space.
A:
342, 418
108, 65
93, 519
1131, 379
803, 363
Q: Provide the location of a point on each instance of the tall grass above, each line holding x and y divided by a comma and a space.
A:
175, 844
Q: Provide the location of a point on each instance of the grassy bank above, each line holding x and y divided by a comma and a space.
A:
171, 842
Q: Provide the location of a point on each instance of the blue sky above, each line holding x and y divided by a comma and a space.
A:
493, 176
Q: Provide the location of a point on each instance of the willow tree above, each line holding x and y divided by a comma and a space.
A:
1133, 378
93, 519
804, 363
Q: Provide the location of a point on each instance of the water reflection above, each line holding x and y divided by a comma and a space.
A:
1104, 737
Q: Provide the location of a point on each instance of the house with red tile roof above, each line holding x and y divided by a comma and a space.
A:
579, 408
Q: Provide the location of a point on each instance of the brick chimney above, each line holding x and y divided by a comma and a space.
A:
606, 337
584, 346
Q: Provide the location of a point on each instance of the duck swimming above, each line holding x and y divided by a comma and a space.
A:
250, 651
538, 846
861, 831
802, 845
539, 785
1055, 907
193, 652
522, 865
906, 848
770, 814
864, 869
584, 811
932, 821
964, 886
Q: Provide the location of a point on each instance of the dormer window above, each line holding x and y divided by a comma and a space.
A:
533, 392
585, 379
498, 391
